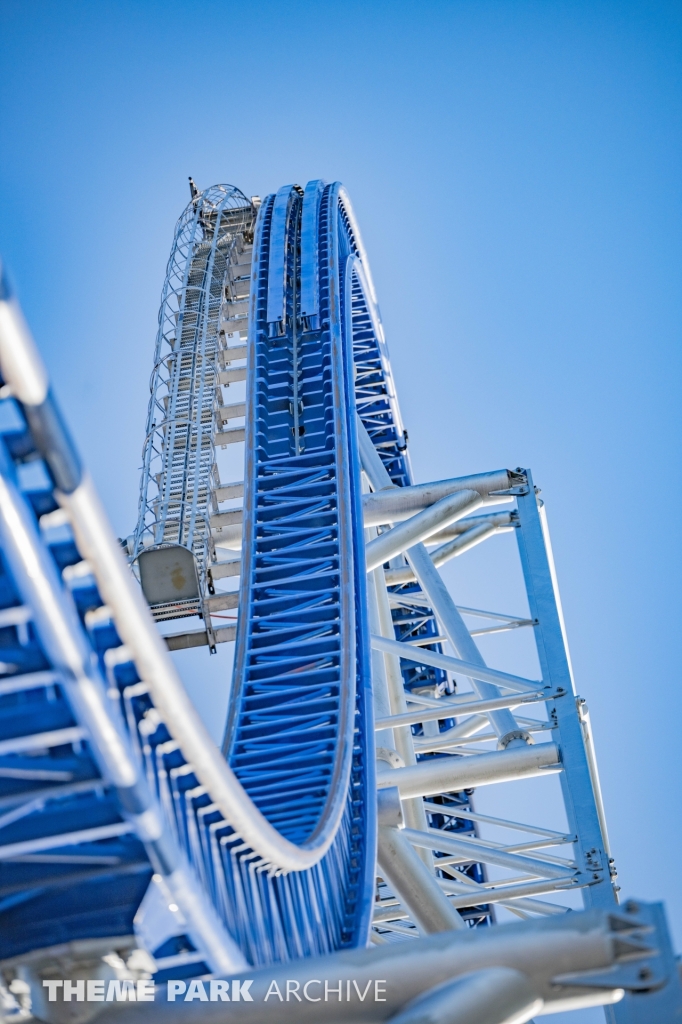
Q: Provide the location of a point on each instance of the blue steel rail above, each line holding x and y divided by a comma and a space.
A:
299, 734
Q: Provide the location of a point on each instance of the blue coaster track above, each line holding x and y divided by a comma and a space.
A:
300, 726
300, 732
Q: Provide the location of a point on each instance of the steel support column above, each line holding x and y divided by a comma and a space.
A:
576, 779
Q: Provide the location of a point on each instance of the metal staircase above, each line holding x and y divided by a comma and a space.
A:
199, 351
341, 811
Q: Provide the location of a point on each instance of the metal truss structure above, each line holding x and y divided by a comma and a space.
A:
336, 836
205, 292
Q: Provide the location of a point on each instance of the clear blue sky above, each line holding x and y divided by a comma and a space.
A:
516, 169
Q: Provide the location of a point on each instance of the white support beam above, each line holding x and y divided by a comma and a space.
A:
55, 842
453, 774
43, 740
413, 810
220, 520
226, 492
503, 722
500, 893
504, 823
516, 683
470, 850
233, 435
411, 880
394, 504
500, 520
420, 526
236, 410
458, 546
222, 570
493, 995
450, 708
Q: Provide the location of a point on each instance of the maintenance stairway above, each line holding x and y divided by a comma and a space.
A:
362, 714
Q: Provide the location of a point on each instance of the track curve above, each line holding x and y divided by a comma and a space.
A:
278, 831
280, 835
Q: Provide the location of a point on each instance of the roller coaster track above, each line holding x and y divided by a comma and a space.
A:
339, 811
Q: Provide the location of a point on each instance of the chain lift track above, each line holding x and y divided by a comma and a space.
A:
362, 715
